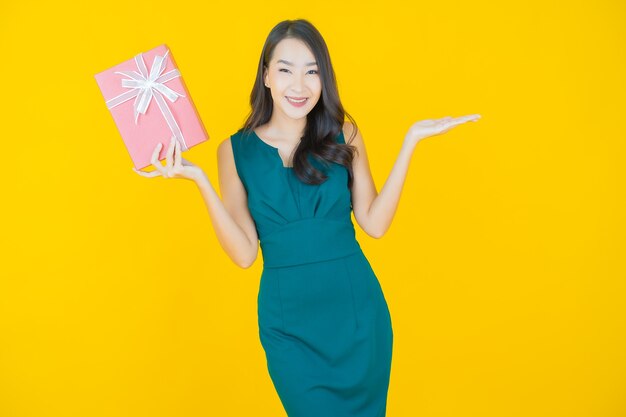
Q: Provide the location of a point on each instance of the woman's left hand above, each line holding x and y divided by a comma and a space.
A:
431, 127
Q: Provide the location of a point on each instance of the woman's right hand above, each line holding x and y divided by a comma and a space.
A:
175, 166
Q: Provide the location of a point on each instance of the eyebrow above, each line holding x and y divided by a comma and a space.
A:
289, 63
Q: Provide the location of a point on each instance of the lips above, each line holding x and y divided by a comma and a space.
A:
302, 102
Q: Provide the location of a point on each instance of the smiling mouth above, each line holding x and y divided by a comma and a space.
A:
297, 99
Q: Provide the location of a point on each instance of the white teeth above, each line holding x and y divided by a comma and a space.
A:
296, 101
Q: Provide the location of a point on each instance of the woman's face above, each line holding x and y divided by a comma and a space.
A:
293, 74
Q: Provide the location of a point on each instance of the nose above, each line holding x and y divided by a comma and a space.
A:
297, 84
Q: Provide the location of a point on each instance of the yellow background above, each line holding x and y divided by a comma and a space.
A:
503, 268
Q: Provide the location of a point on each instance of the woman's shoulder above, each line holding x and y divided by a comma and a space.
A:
231, 141
235, 138
347, 131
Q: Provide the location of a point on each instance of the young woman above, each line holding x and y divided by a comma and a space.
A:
290, 180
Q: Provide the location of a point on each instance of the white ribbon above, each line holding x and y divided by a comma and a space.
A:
144, 86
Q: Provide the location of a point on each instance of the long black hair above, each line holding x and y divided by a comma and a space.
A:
324, 122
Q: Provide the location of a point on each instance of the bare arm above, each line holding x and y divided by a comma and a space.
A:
375, 211
231, 219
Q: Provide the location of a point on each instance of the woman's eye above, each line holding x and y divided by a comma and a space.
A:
285, 69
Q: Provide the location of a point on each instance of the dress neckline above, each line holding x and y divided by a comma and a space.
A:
275, 149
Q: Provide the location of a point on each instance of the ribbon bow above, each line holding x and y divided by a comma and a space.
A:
145, 86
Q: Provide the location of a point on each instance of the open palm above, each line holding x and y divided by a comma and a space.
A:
431, 127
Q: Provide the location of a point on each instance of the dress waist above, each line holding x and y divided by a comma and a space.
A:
309, 240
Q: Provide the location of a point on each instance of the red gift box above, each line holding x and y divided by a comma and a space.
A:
162, 107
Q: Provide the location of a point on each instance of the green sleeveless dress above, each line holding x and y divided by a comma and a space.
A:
323, 320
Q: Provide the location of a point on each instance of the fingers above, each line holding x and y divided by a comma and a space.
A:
170, 152
177, 156
463, 119
155, 159
173, 160
147, 174
470, 118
